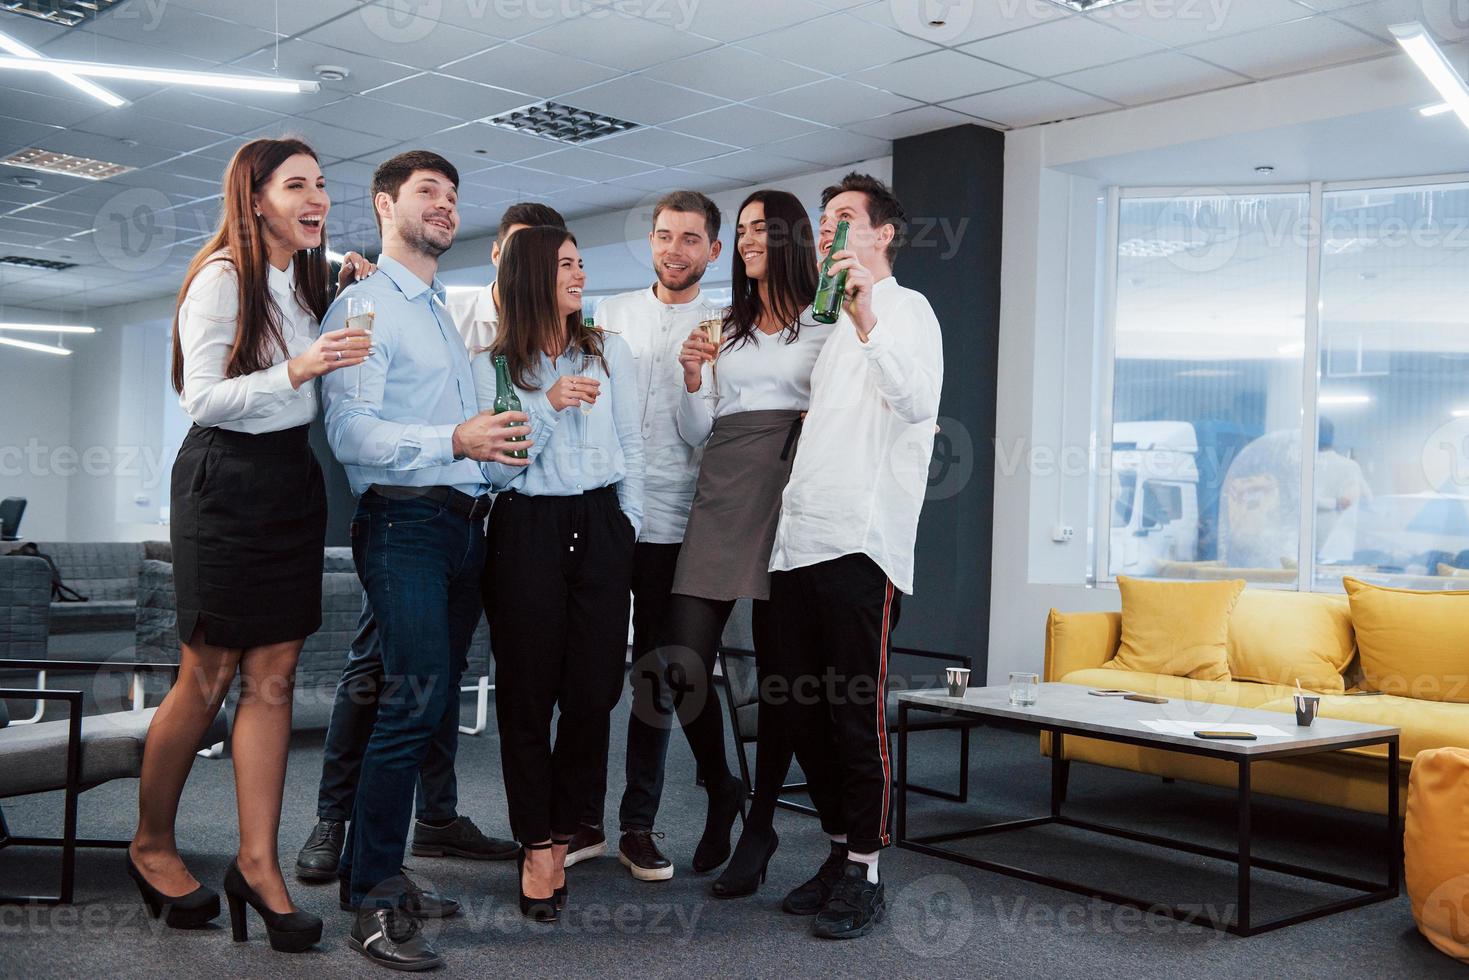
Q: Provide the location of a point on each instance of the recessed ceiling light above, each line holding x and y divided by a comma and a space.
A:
1083, 5
563, 123
31, 182
67, 14
50, 162
25, 262
331, 73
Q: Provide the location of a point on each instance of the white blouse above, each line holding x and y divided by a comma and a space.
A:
764, 373
263, 401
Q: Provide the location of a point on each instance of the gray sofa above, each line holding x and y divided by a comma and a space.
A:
106, 572
25, 607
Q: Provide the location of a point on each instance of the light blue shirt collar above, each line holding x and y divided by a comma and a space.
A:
409, 284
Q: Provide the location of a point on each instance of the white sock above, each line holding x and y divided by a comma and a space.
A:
838, 838
868, 859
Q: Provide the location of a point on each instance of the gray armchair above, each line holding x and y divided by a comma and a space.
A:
25, 602
106, 572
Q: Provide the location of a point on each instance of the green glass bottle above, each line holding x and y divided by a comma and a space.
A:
589, 322
831, 290
506, 400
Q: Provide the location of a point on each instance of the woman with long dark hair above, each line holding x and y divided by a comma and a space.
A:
248, 525
560, 543
760, 376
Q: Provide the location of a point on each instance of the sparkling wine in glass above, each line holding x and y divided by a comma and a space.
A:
360, 314
713, 327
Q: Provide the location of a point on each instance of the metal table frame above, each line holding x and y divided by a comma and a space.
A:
1242, 924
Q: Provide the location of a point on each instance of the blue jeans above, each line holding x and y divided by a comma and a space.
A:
420, 564
354, 711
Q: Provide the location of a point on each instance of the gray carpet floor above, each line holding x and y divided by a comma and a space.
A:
944, 919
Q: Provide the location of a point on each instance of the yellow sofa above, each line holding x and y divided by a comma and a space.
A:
1078, 644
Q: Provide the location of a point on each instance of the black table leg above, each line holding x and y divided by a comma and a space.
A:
1058, 773
1242, 912
1394, 838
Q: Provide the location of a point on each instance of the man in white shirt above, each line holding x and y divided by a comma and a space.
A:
1340, 487
843, 550
477, 314
655, 322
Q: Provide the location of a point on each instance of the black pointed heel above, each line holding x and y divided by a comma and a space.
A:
746, 871
729, 803
536, 909
289, 932
190, 911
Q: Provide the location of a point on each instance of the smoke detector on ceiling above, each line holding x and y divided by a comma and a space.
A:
331, 73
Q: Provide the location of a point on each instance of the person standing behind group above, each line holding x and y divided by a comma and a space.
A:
408, 430
843, 552
439, 830
248, 526
654, 321
561, 536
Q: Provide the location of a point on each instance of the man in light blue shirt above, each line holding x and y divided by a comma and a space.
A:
415, 447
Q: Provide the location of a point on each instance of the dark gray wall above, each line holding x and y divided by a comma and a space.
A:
951, 184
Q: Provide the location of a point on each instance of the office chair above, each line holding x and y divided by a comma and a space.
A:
11, 509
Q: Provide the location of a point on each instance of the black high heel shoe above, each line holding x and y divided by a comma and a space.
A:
289, 932
537, 909
183, 912
746, 871
724, 806
561, 891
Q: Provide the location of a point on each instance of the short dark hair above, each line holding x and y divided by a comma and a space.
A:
690, 202
883, 206
531, 213
390, 175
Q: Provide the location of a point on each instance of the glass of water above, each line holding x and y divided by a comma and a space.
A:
1023, 689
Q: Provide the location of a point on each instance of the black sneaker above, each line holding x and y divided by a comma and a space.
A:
415, 901
641, 856
392, 939
808, 899
322, 851
460, 839
855, 906
587, 842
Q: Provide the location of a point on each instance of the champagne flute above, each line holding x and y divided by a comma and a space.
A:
360, 313
713, 327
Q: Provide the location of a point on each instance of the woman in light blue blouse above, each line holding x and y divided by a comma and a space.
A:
558, 576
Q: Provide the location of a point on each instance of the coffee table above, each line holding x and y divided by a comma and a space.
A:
1067, 709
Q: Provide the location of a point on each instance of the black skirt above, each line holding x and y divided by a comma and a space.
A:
248, 526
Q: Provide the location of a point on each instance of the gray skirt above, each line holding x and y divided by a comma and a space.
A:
731, 530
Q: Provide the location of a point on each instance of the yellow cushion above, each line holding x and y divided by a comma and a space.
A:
1452, 571
1281, 637
1426, 725
1436, 849
1412, 643
1229, 694
1176, 628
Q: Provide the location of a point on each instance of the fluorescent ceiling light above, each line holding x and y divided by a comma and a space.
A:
44, 328
51, 162
1344, 400
1437, 109
96, 91
1429, 58
1460, 413
166, 76
28, 345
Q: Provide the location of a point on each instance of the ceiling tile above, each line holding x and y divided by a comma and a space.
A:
733, 21
643, 100
838, 44
1188, 23
588, 164
283, 18
733, 73
605, 195
200, 168
298, 59
659, 146
46, 109
406, 39
30, 30
108, 148
1031, 103
463, 143
742, 124
182, 106
967, 21
912, 122
939, 76
1447, 20
1285, 48
831, 148
174, 28
397, 122
750, 165
130, 122
836, 102
617, 41
1152, 77
324, 138
348, 173
523, 181
16, 134
508, 19
450, 96
542, 74
1068, 44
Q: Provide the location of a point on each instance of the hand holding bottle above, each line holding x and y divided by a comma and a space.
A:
858, 288
493, 438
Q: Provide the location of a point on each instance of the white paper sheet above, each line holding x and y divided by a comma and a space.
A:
1164, 727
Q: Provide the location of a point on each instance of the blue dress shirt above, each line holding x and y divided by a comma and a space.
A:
414, 390
576, 452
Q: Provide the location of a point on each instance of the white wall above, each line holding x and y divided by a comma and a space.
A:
35, 430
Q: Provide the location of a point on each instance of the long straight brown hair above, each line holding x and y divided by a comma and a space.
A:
258, 330
530, 318
790, 270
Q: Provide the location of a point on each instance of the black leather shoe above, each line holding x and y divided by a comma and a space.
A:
641, 856
394, 939
587, 842
809, 898
855, 906
461, 839
322, 852
415, 901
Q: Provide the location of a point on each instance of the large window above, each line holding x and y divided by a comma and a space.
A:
1219, 466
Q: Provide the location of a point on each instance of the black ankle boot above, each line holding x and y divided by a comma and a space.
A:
747, 867
726, 802
289, 932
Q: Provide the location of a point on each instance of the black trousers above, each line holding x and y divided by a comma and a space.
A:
354, 711
832, 621
647, 741
556, 588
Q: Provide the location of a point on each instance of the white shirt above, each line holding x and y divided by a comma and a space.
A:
475, 317
263, 401
1338, 478
862, 464
763, 374
655, 331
